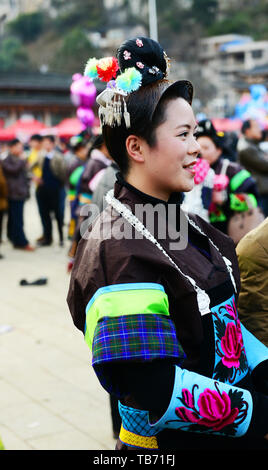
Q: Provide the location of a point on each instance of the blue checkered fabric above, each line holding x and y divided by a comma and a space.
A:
136, 421
135, 337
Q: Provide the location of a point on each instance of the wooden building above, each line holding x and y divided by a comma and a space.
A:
44, 96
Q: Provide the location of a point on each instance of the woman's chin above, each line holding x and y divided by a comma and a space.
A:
188, 186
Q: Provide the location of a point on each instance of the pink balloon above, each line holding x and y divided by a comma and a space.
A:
86, 116
83, 91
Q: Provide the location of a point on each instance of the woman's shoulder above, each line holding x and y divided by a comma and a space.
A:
232, 168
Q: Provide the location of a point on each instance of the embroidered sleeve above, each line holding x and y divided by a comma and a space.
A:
240, 184
130, 322
201, 404
198, 404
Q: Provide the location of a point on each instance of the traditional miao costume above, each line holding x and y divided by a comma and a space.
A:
164, 332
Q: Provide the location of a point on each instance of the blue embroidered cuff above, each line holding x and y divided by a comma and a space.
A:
201, 404
198, 404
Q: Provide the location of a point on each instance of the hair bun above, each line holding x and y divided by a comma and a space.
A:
146, 55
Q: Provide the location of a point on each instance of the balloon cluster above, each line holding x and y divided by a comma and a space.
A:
83, 96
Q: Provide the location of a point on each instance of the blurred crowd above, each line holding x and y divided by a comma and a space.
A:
61, 175
231, 190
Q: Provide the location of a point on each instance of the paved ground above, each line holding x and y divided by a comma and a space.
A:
50, 398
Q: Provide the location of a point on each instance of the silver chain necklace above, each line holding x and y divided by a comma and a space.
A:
203, 299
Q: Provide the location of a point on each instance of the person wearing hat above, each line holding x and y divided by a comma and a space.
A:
232, 181
153, 289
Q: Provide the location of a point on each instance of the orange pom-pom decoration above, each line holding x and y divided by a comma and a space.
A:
107, 68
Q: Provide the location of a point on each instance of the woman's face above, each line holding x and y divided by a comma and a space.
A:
209, 151
169, 164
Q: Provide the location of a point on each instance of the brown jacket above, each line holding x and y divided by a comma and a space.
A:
3, 190
252, 253
15, 171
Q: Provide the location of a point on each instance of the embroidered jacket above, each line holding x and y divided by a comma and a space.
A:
180, 375
241, 182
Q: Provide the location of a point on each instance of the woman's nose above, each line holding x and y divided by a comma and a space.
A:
195, 147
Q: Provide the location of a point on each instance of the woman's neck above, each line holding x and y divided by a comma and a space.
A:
145, 187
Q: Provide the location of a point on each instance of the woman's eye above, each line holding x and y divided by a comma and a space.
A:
184, 134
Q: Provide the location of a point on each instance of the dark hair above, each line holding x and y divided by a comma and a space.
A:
245, 126
50, 137
79, 145
206, 128
147, 105
97, 141
36, 137
13, 142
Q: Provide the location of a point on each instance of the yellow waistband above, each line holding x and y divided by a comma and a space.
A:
136, 440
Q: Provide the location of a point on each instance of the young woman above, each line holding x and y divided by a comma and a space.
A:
228, 198
154, 290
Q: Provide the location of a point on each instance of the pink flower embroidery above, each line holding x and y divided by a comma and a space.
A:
139, 42
214, 410
140, 65
231, 344
127, 55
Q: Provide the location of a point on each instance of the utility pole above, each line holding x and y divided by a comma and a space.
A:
153, 20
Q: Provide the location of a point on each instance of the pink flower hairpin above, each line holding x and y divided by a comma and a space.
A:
139, 42
140, 65
127, 55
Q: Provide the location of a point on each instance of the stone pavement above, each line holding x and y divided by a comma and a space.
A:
50, 398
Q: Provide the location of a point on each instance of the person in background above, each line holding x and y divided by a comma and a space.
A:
4, 149
232, 181
105, 184
98, 160
198, 200
62, 146
254, 159
15, 170
252, 252
3, 201
74, 172
35, 145
49, 190
34, 156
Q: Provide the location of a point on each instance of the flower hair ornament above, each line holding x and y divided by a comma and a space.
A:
112, 104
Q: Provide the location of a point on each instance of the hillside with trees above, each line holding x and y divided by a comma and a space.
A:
60, 42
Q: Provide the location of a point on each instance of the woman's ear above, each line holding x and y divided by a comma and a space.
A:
134, 146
